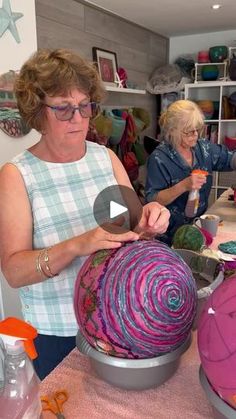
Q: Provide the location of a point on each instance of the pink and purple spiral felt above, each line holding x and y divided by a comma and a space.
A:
217, 340
138, 301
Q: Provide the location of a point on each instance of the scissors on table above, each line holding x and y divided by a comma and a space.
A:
55, 402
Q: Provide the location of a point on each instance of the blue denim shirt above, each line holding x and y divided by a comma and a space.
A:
166, 168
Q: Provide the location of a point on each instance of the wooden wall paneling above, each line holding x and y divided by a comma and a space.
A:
159, 46
52, 34
69, 13
133, 59
116, 29
74, 25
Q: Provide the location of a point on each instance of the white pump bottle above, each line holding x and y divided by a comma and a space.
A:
19, 384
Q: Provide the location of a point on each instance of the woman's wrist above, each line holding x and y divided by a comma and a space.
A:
74, 247
184, 185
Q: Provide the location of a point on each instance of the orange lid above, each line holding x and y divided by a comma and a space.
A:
199, 172
17, 328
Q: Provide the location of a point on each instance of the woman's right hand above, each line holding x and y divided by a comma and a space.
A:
195, 181
99, 238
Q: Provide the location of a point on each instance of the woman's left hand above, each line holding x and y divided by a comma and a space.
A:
154, 220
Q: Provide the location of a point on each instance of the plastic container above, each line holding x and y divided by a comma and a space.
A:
193, 197
132, 374
19, 394
221, 410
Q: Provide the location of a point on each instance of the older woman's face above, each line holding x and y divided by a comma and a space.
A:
188, 138
64, 123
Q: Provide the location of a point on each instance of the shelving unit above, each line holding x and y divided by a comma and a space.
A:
222, 68
123, 90
215, 91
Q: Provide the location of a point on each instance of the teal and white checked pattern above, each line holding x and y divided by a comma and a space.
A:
61, 197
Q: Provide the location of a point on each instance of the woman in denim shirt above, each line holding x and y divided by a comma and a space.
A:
169, 167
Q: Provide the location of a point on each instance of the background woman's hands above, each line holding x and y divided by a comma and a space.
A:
195, 181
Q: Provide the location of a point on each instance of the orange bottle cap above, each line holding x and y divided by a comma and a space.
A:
22, 331
199, 172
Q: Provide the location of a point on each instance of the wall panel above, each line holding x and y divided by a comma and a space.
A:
71, 24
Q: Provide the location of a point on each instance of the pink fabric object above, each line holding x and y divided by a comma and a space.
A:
217, 340
181, 397
207, 235
137, 301
123, 76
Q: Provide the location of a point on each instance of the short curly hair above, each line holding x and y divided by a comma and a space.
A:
52, 73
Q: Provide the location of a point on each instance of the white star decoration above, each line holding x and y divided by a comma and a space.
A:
8, 19
118, 81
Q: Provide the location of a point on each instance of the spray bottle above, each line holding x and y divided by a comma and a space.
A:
193, 196
19, 384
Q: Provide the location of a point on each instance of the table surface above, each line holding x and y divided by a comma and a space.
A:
181, 397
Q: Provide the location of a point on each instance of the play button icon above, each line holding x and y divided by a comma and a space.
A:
117, 205
116, 209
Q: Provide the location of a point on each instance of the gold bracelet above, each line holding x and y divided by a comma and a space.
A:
39, 268
45, 255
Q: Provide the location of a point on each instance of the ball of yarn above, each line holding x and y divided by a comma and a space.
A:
208, 236
207, 108
209, 72
138, 301
188, 237
217, 340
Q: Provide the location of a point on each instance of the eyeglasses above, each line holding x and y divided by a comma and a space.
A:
192, 132
66, 112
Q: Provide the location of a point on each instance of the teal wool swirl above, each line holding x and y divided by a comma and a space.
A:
138, 301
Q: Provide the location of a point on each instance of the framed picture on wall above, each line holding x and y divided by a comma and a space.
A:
107, 65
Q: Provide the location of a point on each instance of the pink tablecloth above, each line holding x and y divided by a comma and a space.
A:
90, 398
223, 236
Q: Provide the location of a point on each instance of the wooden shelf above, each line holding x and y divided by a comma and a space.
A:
123, 90
215, 83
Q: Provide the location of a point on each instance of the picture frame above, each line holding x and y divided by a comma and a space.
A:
107, 65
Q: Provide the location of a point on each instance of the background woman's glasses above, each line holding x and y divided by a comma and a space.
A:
192, 132
66, 112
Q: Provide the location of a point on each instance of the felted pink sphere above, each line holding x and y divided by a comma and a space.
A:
217, 340
138, 301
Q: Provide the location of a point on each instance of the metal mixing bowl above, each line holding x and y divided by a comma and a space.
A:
133, 374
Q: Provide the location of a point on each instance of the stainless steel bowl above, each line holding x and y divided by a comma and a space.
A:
221, 410
133, 374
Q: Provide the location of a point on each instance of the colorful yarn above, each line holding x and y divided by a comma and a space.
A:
138, 301
217, 340
228, 247
189, 237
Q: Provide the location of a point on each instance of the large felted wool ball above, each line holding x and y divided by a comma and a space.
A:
217, 340
189, 237
138, 301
